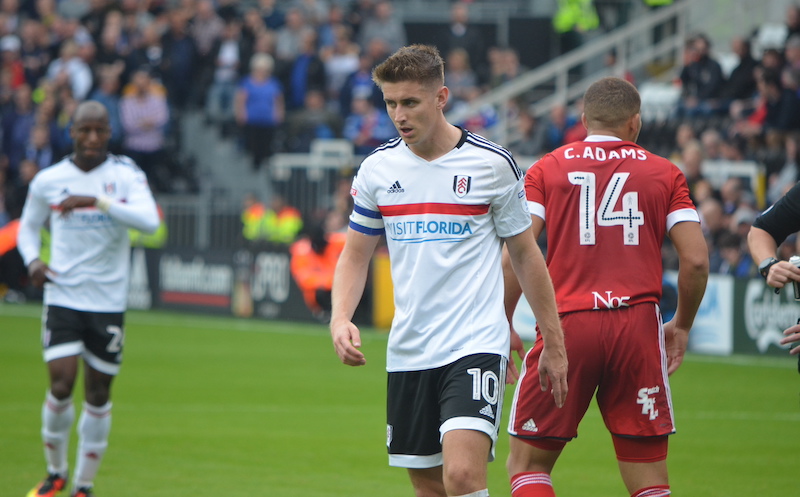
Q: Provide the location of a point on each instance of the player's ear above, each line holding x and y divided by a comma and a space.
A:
442, 95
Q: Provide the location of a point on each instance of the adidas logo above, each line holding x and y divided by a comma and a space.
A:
487, 411
530, 425
396, 188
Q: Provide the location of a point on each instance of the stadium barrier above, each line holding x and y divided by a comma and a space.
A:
247, 283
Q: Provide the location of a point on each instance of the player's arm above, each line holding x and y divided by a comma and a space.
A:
349, 281
770, 230
692, 277
512, 292
29, 240
529, 266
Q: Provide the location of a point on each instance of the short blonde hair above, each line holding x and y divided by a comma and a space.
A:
262, 61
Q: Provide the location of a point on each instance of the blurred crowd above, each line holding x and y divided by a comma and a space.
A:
275, 76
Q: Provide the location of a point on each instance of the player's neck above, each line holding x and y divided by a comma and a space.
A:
441, 141
85, 164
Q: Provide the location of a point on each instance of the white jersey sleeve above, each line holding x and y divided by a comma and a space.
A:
34, 214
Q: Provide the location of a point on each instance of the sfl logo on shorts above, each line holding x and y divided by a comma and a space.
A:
648, 402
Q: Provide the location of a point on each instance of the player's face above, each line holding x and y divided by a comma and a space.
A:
90, 138
415, 109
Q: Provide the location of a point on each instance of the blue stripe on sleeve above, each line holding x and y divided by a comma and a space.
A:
365, 230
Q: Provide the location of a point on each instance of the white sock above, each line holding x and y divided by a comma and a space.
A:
479, 493
57, 418
93, 428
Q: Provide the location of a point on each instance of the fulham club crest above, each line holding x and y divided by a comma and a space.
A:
461, 185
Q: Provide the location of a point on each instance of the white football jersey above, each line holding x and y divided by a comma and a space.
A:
90, 250
443, 222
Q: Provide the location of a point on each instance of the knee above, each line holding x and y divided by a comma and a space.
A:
462, 480
61, 388
97, 395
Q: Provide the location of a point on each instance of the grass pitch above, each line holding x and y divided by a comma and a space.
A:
210, 406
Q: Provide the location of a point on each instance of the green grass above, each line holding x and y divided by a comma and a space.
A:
209, 406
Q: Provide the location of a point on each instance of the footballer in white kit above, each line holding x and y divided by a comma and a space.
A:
90, 200
446, 200
443, 221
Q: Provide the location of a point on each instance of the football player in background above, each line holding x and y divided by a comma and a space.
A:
91, 199
607, 204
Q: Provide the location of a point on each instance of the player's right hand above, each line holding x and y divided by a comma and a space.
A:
38, 272
782, 273
792, 336
553, 368
347, 341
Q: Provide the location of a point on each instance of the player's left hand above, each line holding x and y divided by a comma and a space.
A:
676, 340
75, 202
512, 373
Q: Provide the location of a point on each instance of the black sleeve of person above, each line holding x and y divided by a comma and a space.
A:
783, 218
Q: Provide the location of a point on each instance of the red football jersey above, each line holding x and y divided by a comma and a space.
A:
607, 205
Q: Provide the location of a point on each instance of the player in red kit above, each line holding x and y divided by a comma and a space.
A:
607, 204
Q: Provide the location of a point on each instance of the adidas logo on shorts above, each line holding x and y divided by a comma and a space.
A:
487, 411
530, 425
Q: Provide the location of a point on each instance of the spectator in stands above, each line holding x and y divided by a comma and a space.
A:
529, 139
271, 14
227, 60
148, 52
107, 93
357, 14
459, 76
741, 84
684, 134
367, 126
306, 72
252, 218
39, 149
711, 141
311, 122
461, 34
206, 29
732, 194
778, 112
340, 59
179, 61
289, 42
144, 115
714, 224
504, 66
282, 222
331, 25
384, 25
313, 262
734, 259
10, 62
111, 51
792, 20
702, 81
33, 52
779, 182
70, 71
691, 164
560, 120
791, 52
259, 108
360, 83
17, 123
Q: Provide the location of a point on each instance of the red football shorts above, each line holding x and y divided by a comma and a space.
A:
620, 354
